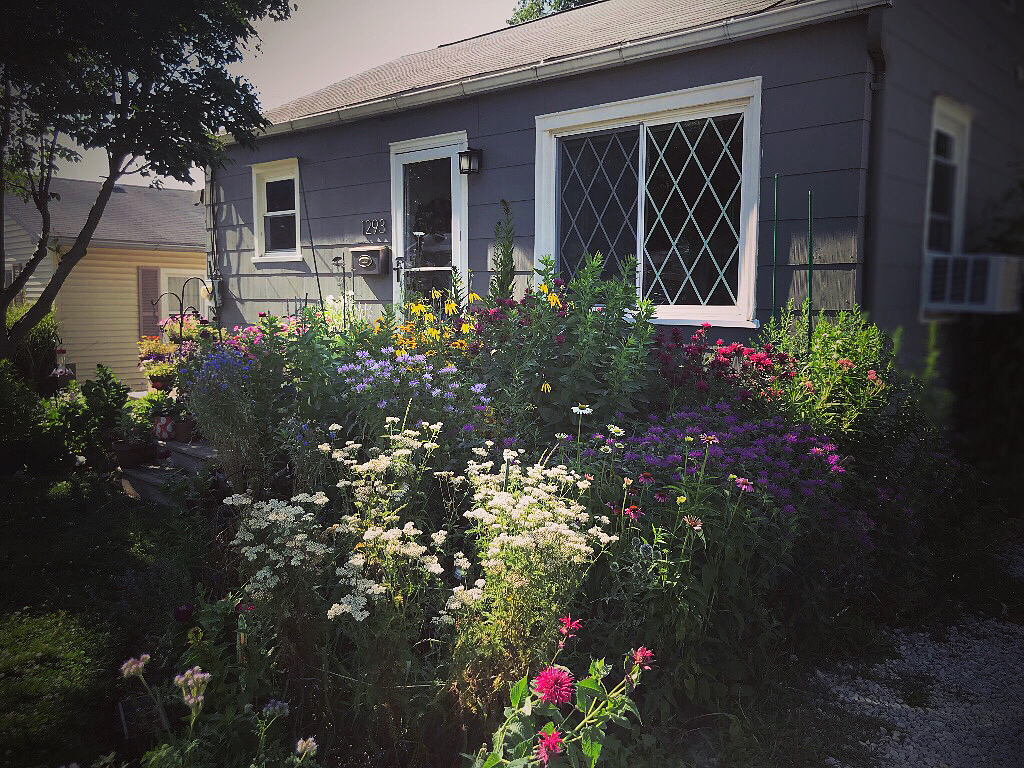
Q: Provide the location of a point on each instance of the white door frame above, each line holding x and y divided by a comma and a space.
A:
415, 151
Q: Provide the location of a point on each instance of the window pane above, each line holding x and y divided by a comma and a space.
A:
281, 195
958, 283
428, 209
191, 296
943, 187
692, 212
979, 281
940, 272
279, 232
597, 181
944, 144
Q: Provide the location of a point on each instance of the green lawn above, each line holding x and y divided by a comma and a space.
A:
88, 576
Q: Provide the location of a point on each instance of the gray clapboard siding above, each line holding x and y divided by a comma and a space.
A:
814, 132
967, 51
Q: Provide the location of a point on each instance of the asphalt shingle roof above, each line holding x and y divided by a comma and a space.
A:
562, 35
134, 215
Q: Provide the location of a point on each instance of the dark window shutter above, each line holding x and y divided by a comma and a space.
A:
149, 291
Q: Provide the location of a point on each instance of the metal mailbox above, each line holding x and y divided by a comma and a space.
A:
369, 259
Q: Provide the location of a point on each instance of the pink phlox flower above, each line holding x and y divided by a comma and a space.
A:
554, 685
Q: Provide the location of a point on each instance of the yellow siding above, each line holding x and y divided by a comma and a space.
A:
98, 309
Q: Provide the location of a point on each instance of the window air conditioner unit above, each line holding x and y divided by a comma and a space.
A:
988, 283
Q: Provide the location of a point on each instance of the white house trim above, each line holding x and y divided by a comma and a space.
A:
431, 148
703, 101
262, 173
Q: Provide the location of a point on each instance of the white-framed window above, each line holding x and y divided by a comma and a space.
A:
429, 211
950, 278
192, 292
275, 196
671, 179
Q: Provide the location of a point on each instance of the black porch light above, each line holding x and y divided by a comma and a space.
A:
469, 160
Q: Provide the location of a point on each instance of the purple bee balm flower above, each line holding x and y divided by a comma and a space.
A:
468, 427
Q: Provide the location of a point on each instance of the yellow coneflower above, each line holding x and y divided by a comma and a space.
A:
417, 308
545, 388
553, 300
466, 327
474, 297
429, 318
435, 294
450, 307
543, 287
432, 333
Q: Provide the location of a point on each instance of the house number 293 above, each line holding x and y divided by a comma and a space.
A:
375, 226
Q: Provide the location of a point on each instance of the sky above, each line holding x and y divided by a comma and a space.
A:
328, 40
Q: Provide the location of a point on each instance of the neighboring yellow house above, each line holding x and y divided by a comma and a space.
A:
149, 242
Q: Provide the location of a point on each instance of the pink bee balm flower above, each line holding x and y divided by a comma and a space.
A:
569, 624
549, 743
872, 376
643, 657
845, 363
554, 685
633, 512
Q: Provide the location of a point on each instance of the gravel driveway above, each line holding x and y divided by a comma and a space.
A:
955, 701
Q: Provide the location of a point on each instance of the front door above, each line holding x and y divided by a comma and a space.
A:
429, 211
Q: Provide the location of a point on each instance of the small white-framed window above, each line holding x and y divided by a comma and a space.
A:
671, 179
948, 274
275, 195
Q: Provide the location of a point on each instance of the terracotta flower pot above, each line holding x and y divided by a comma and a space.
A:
183, 429
130, 454
163, 427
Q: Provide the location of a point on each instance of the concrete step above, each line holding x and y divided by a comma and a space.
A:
147, 482
188, 456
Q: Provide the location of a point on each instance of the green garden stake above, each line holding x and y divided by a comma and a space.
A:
775, 241
810, 266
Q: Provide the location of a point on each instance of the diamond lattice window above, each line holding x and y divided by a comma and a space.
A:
598, 192
692, 212
690, 219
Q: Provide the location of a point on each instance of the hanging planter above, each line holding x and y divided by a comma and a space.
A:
162, 381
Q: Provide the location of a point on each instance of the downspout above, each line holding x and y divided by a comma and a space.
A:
872, 213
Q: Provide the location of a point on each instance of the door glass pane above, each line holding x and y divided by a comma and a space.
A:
280, 232
281, 195
944, 145
428, 210
692, 212
598, 199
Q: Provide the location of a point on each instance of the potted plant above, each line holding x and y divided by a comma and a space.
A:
157, 360
131, 444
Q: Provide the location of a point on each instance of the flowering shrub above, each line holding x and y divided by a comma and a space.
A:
562, 345
236, 392
707, 372
534, 543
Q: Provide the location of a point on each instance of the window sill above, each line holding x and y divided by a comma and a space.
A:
272, 258
716, 322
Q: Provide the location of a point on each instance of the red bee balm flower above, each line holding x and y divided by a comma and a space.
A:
549, 742
643, 657
569, 624
554, 685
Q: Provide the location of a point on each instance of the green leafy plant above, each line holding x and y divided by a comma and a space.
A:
503, 267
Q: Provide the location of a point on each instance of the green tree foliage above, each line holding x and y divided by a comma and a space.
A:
149, 83
528, 10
